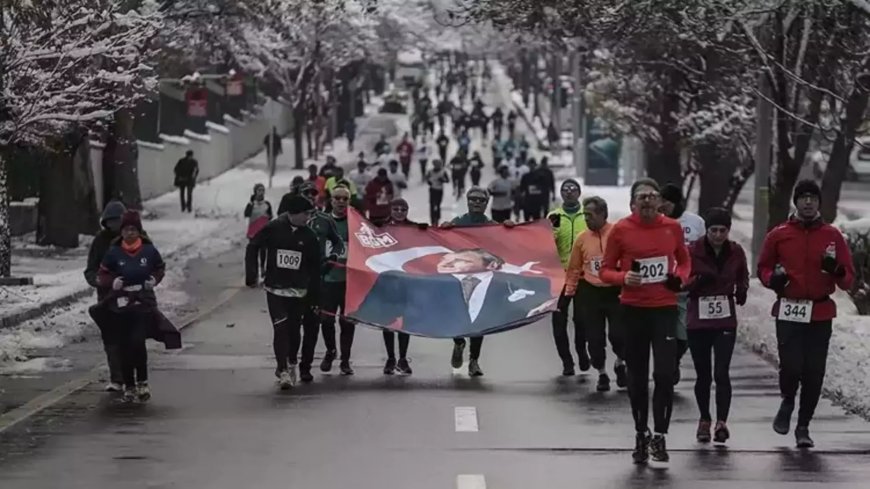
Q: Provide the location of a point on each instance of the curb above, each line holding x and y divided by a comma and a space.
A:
43, 308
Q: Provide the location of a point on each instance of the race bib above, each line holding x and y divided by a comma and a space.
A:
534, 190
714, 307
288, 259
653, 270
797, 311
595, 266
123, 302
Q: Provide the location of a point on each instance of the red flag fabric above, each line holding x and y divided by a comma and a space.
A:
450, 283
256, 225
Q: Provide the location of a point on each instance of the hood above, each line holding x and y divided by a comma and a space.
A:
113, 210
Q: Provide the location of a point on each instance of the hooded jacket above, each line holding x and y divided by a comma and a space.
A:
100, 246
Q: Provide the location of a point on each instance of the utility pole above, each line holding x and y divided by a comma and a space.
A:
764, 134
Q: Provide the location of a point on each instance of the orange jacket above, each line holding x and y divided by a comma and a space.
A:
661, 243
586, 257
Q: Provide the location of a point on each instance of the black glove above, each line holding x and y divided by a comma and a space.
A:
422, 226
555, 219
704, 279
740, 298
563, 302
635, 266
830, 265
673, 283
778, 281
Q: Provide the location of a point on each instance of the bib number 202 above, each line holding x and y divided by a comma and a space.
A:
653, 270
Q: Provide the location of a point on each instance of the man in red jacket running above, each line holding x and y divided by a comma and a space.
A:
647, 256
803, 260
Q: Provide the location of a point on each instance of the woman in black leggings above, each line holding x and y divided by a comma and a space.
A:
720, 279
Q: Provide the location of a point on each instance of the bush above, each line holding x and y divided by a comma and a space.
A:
859, 243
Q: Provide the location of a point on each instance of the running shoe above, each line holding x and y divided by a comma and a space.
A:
603, 383
456, 359
782, 421
293, 375
129, 394
404, 367
721, 433
143, 392
640, 455
621, 375
703, 433
328, 358
583, 361
390, 366
114, 387
802, 437
305, 375
568, 368
285, 382
658, 451
345, 368
474, 369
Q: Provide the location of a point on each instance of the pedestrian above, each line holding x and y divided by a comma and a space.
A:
476, 168
405, 150
186, 172
334, 291
568, 222
442, 142
423, 151
328, 168
478, 200
647, 256
259, 213
598, 302
511, 123
458, 170
553, 137
360, 176
132, 268
533, 187
673, 205
319, 183
497, 154
497, 122
464, 141
436, 179
550, 179
502, 191
350, 132
719, 282
382, 147
398, 179
804, 260
292, 285
523, 147
110, 231
276, 148
379, 194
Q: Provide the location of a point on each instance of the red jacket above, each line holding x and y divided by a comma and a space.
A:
378, 196
731, 280
405, 150
632, 239
799, 247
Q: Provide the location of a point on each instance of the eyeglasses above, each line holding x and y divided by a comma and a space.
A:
570, 188
400, 209
478, 200
646, 196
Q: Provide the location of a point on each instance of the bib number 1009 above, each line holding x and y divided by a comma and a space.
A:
288, 259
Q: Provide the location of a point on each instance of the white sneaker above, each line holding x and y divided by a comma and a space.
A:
285, 380
143, 392
114, 387
293, 376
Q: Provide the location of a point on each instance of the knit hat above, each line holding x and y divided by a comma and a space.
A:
298, 204
672, 193
399, 202
806, 187
717, 216
569, 181
131, 218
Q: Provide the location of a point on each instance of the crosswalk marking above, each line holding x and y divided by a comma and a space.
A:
470, 481
465, 418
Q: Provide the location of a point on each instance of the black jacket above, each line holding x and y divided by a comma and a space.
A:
186, 171
299, 251
99, 246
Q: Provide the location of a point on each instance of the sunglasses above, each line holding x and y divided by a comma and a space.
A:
478, 200
341, 199
570, 188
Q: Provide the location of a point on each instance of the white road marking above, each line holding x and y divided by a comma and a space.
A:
465, 418
470, 481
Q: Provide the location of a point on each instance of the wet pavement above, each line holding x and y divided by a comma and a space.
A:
218, 421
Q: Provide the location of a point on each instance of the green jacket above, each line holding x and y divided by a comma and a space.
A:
338, 273
566, 232
470, 219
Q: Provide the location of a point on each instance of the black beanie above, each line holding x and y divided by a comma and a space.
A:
570, 180
805, 187
672, 193
717, 216
299, 204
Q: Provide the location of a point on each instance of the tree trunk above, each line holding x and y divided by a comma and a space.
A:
663, 157
738, 181
5, 225
838, 162
121, 162
57, 224
298, 137
717, 166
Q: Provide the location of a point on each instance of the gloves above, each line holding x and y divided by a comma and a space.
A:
423, 226
555, 219
150, 283
778, 281
673, 283
830, 265
563, 302
740, 298
704, 279
118, 283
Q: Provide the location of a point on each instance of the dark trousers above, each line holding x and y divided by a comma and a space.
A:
109, 333
500, 215
186, 194
458, 185
287, 319
534, 208
436, 196
645, 328
803, 356
390, 344
132, 330
476, 345
600, 311
423, 164
332, 296
406, 166
443, 154
711, 352
560, 331
475, 178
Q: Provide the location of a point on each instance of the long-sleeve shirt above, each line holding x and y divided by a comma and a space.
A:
586, 257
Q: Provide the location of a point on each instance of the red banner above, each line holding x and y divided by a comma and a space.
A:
465, 281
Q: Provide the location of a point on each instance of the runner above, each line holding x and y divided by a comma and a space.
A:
497, 122
497, 154
382, 147
436, 178
334, 288
442, 142
458, 170
397, 178
292, 284
423, 151
502, 189
803, 261
405, 150
511, 123
674, 206
379, 194
534, 190
720, 279
568, 222
360, 176
259, 213
598, 302
651, 246
476, 164
477, 199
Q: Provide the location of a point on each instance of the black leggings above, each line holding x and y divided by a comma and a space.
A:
287, 314
132, 329
436, 196
803, 356
476, 345
560, 332
711, 352
423, 164
332, 300
390, 344
647, 327
500, 215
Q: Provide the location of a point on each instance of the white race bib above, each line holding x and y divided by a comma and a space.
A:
653, 270
595, 266
714, 307
797, 311
288, 259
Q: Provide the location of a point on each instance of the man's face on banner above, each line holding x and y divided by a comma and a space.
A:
464, 262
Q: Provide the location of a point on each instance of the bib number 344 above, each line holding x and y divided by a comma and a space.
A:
795, 310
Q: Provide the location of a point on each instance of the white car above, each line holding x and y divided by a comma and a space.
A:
859, 162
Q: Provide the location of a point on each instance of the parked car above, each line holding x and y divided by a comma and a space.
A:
393, 105
859, 162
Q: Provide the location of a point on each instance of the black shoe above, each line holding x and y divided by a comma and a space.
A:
658, 451
390, 366
802, 437
583, 361
456, 359
721, 433
677, 375
603, 383
404, 367
568, 368
305, 375
621, 377
344, 368
328, 358
641, 448
782, 421
474, 369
